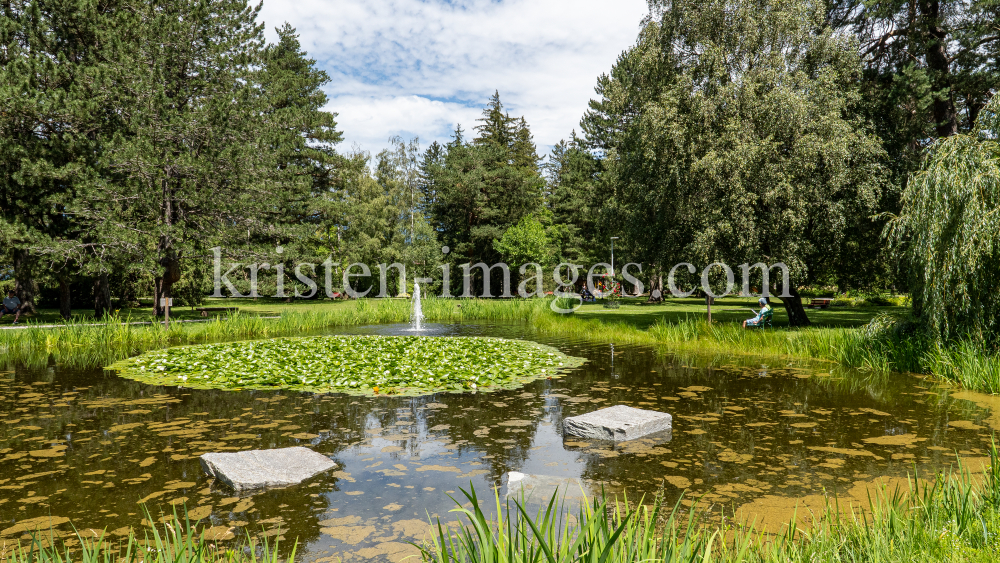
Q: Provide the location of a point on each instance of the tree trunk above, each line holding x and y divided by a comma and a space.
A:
656, 284
793, 307
126, 293
157, 311
65, 298
945, 118
24, 282
102, 296
171, 274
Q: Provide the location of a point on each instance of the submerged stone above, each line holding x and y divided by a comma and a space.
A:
618, 423
541, 488
257, 469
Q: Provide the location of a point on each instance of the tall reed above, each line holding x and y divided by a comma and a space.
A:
885, 345
954, 518
602, 531
177, 540
95, 344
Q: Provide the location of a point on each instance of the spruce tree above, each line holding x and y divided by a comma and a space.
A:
573, 200
53, 92
221, 142
479, 189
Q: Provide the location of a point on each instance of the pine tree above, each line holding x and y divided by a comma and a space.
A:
53, 92
573, 201
221, 141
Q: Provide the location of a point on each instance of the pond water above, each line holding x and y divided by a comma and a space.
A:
86, 447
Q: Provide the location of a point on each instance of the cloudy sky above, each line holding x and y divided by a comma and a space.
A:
418, 67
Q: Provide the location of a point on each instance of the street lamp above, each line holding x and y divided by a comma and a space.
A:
613, 239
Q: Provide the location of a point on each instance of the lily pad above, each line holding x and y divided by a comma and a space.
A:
387, 365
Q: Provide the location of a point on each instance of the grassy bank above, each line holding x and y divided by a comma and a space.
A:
635, 311
883, 345
90, 344
880, 345
955, 518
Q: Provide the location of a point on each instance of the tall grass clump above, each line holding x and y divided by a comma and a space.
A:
966, 363
954, 518
82, 344
177, 540
886, 344
602, 531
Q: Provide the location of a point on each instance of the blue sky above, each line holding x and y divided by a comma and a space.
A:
416, 68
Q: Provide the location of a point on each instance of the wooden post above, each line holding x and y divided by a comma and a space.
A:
166, 311
708, 300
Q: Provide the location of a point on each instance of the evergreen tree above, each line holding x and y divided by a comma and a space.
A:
930, 64
476, 190
53, 85
221, 141
929, 67
302, 134
412, 242
573, 200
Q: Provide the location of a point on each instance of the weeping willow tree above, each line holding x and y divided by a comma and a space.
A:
949, 226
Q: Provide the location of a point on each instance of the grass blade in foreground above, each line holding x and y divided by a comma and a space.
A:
178, 541
954, 519
602, 532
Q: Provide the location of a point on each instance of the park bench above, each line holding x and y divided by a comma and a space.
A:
206, 310
821, 302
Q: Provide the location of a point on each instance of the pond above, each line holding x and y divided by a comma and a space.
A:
85, 446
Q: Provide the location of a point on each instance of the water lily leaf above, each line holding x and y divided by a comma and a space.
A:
394, 365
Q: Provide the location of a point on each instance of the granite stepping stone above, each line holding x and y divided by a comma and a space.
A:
618, 423
259, 469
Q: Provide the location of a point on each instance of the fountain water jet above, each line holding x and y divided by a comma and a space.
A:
417, 313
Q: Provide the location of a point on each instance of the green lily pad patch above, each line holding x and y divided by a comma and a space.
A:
390, 365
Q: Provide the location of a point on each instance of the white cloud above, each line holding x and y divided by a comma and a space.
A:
416, 68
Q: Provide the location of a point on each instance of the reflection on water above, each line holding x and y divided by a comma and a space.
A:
88, 447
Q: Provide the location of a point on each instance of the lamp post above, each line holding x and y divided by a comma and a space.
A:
613, 239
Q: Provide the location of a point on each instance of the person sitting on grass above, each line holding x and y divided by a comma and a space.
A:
11, 306
756, 321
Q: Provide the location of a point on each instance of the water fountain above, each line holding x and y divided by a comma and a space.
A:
417, 314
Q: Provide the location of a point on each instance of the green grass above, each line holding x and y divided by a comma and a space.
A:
634, 311
955, 518
604, 531
966, 364
868, 338
176, 540
89, 344
727, 310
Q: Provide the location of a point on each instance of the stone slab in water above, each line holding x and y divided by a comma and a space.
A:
619, 423
540, 488
258, 469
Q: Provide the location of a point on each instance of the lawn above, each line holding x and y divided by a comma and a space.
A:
635, 312
640, 314
265, 306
